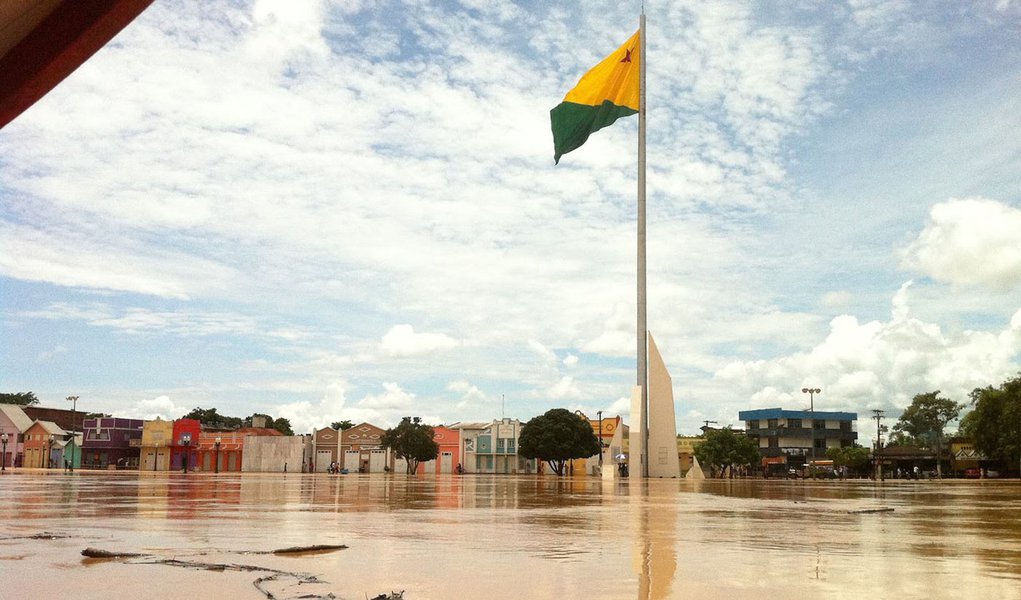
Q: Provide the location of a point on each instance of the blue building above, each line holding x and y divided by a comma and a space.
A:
792, 437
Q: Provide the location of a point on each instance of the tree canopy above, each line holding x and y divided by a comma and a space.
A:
994, 424
723, 449
209, 417
413, 441
926, 418
342, 425
556, 437
280, 424
19, 398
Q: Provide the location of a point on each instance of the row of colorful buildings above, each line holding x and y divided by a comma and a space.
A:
157, 445
479, 447
184, 444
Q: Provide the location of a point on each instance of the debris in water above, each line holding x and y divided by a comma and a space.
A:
98, 553
309, 549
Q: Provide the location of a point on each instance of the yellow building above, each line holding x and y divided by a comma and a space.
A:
686, 445
157, 437
604, 429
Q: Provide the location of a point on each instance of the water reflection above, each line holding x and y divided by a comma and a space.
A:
654, 517
529, 536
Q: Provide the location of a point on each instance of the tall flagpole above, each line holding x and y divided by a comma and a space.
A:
643, 346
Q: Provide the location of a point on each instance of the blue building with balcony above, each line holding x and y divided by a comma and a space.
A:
793, 437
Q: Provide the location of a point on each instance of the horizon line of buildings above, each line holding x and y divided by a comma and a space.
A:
186, 444
40, 437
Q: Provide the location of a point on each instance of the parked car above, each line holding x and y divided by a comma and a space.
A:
973, 473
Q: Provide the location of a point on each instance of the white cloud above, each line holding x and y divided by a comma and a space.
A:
547, 355
565, 389
620, 406
152, 408
306, 416
877, 363
231, 198
157, 272
836, 299
402, 341
469, 395
52, 353
970, 241
392, 398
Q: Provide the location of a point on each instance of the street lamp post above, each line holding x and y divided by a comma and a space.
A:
599, 414
3, 457
216, 462
811, 408
185, 441
74, 425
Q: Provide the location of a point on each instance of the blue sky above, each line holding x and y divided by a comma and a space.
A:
349, 210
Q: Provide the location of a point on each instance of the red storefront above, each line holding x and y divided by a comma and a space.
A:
185, 444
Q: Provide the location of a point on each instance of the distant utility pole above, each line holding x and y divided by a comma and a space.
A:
707, 422
877, 414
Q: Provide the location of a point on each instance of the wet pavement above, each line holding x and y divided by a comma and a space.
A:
496, 537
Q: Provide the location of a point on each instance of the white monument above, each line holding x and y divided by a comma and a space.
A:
662, 437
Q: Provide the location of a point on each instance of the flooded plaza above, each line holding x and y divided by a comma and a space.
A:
501, 537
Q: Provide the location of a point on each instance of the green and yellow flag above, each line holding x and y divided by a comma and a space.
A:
606, 93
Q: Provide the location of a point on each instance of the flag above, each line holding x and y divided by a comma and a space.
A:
606, 93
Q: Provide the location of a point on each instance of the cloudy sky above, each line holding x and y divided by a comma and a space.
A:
349, 210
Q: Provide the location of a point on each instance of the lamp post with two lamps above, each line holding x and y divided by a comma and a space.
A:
216, 461
185, 441
811, 408
3, 457
74, 427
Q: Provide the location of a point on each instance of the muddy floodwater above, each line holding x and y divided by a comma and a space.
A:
497, 537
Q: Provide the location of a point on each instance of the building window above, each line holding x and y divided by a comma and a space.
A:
753, 424
794, 423
819, 424
774, 442
772, 423
819, 444
845, 426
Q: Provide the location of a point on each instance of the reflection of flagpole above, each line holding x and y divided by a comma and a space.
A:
643, 346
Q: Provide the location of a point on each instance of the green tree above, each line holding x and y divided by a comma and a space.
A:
19, 398
926, 417
413, 441
855, 458
994, 425
556, 437
969, 423
211, 418
723, 449
900, 438
283, 426
342, 425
